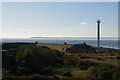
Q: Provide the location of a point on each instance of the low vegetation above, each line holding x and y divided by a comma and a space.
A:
105, 72
33, 61
81, 48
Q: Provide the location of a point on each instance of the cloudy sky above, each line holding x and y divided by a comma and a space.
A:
62, 19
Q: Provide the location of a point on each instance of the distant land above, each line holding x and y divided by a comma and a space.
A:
108, 38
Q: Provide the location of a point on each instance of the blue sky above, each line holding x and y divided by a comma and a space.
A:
71, 19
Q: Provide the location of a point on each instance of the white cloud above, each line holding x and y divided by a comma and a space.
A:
83, 23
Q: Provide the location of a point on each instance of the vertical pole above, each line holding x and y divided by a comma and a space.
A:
98, 34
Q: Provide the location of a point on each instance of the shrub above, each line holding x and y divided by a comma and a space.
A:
71, 60
99, 59
56, 77
105, 72
81, 48
116, 75
65, 43
83, 57
84, 65
118, 57
68, 74
48, 72
106, 75
24, 71
36, 58
112, 54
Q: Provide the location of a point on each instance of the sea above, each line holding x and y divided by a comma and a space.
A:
104, 42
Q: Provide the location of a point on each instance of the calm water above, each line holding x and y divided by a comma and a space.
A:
104, 42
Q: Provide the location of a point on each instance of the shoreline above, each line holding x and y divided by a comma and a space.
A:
113, 44
106, 47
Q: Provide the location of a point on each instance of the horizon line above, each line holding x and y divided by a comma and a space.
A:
59, 37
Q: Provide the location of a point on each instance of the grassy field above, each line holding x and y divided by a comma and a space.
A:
60, 47
74, 65
109, 56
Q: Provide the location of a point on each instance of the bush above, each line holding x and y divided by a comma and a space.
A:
99, 59
118, 57
48, 72
106, 75
36, 58
65, 43
105, 72
112, 54
71, 61
116, 75
81, 48
84, 65
56, 77
68, 74
24, 71
83, 57
112, 58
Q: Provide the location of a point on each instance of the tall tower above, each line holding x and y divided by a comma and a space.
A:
98, 34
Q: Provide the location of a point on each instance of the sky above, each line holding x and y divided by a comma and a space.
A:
58, 19
60, 0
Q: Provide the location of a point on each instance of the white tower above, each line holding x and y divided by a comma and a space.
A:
98, 34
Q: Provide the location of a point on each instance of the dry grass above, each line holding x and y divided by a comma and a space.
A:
106, 57
60, 47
